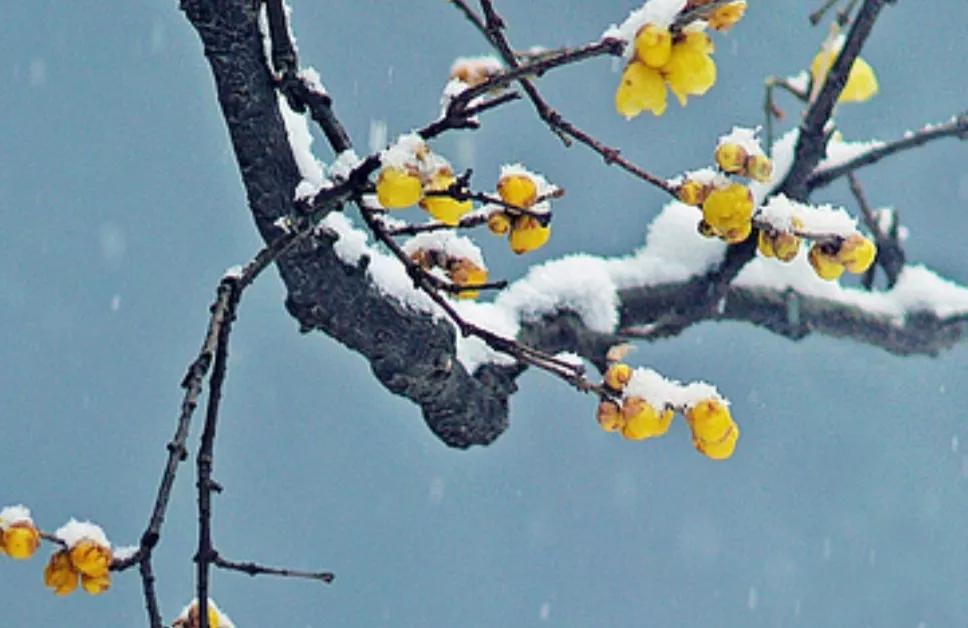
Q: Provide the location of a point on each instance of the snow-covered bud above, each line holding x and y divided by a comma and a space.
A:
731, 157
518, 190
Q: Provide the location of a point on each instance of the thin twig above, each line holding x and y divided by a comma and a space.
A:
254, 569
467, 222
956, 127
817, 15
555, 121
698, 13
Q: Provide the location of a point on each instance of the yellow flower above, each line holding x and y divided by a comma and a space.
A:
690, 70
692, 192
861, 82
499, 223
643, 421
21, 540
91, 559
618, 375
825, 263
857, 253
609, 416
396, 188
527, 234
640, 89
464, 272
653, 45
446, 209
194, 621
518, 190
714, 433
759, 168
731, 157
725, 17
97, 585
60, 575
780, 244
728, 211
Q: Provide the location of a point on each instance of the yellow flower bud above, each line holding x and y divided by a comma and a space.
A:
609, 416
527, 234
714, 432
786, 246
640, 89
98, 585
726, 16
90, 558
729, 210
653, 45
499, 223
60, 575
731, 157
643, 421
692, 192
519, 190
825, 264
21, 540
690, 70
759, 168
446, 209
396, 188
618, 375
857, 253
464, 272
194, 620
764, 244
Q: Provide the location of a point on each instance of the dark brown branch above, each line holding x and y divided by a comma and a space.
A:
698, 13
254, 569
206, 452
467, 222
956, 127
812, 140
298, 92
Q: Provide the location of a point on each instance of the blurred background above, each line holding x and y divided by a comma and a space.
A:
121, 206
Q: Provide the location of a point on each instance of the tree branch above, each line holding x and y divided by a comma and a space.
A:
812, 140
956, 127
254, 569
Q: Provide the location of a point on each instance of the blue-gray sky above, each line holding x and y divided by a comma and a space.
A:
121, 206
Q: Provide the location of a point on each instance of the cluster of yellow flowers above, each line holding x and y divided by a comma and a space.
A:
714, 433
85, 558
412, 174
727, 207
520, 189
87, 561
683, 62
831, 258
462, 271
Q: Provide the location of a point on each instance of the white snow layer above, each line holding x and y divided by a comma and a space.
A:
75, 531
745, 137
14, 514
661, 392
820, 220
446, 242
